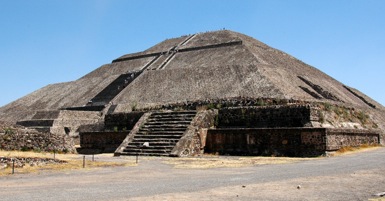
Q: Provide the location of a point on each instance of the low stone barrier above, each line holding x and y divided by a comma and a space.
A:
32, 140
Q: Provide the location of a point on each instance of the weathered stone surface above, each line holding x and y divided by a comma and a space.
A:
17, 138
264, 116
212, 70
285, 141
105, 141
200, 69
121, 121
193, 140
19, 162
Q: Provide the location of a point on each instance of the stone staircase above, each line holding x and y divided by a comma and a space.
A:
104, 97
159, 135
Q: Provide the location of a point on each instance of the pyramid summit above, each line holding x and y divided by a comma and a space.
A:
221, 71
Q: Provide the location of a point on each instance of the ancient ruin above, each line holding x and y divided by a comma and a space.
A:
217, 92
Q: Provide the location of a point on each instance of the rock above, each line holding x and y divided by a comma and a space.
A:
3, 166
382, 194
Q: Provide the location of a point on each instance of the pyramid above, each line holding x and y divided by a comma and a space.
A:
213, 67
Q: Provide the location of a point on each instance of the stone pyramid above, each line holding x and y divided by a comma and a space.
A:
205, 67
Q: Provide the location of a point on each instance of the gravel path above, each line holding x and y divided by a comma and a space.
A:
354, 176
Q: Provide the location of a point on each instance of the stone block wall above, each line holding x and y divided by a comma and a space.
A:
297, 142
121, 121
69, 121
31, 140
264, 117
338, 138
106, 142
194, 139
266, 141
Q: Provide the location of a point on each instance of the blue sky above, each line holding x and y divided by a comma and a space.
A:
49, 41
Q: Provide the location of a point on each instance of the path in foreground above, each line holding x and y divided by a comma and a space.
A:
350, 177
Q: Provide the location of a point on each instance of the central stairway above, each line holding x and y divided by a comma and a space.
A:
159, 135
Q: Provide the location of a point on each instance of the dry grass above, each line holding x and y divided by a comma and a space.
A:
221, 161
72, 162
213, 161
350, 149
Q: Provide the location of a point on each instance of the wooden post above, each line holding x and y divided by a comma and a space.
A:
84, 161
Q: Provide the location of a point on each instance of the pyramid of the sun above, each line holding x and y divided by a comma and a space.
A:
219, 65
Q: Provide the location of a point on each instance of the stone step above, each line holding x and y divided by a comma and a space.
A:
161, 129
113, 89
143, 154
157, 137
188, 112
162, 134
159, 134
159, 150
154, 119
154, 140
152, 143
165, 126
182, 122
169, 121
157, 147
151, 146
172, 115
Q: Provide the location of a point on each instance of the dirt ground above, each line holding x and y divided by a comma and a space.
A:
350, 176
316, 188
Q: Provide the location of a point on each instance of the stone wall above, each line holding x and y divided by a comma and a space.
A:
194, 139
69, 121
264, 117
266, 141
29, 139
296, 142
101, 142
121, 121
338, 138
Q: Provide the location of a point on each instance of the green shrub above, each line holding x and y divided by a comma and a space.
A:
261, 102
9, 131
216, 121
362, 117
328, 107
321, 117
211, 106
134, 106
